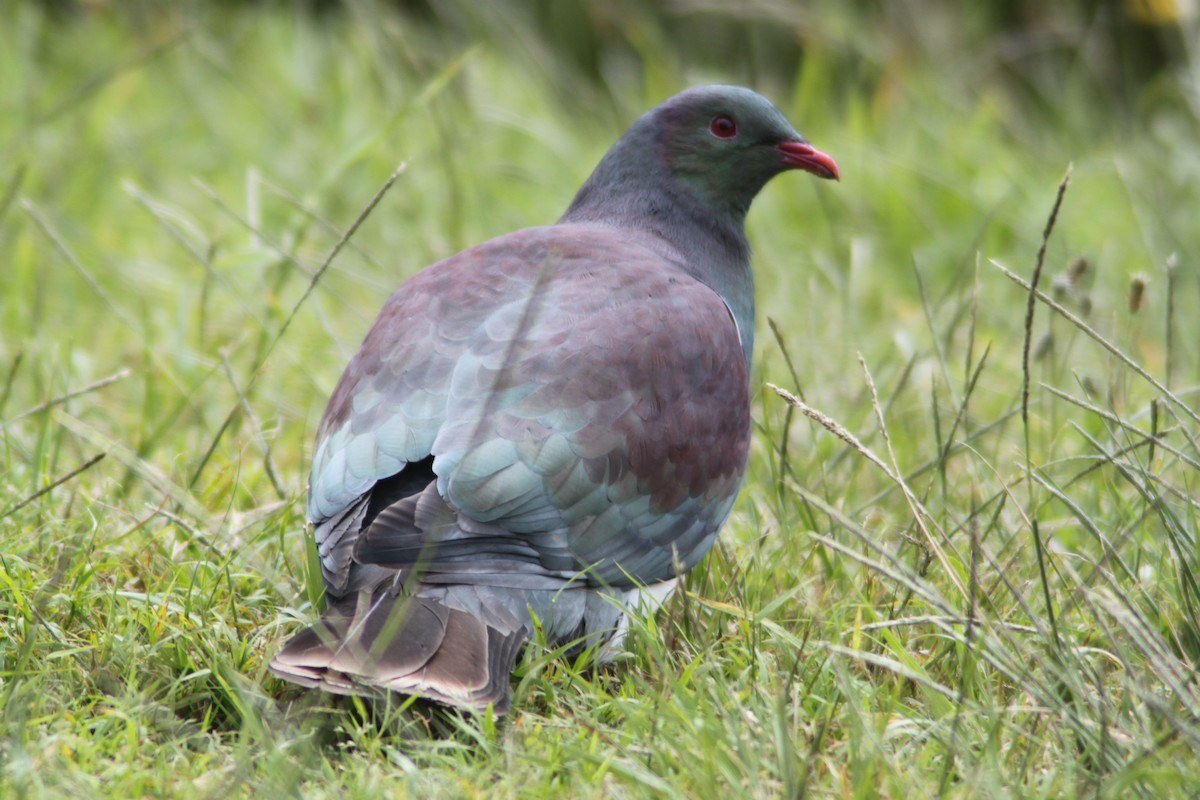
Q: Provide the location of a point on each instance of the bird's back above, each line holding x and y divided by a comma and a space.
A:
574, 388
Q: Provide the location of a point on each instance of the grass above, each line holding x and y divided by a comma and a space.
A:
984, 605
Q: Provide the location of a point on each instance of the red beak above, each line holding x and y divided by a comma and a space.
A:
800, 155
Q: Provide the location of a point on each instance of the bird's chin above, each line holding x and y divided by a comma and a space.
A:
801, 155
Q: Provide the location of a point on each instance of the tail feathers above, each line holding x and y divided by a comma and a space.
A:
412, 645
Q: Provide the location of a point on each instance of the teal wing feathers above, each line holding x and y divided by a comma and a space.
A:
556, 401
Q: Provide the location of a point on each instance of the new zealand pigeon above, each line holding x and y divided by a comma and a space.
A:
550, 427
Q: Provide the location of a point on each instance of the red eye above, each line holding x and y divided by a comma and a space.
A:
723, 127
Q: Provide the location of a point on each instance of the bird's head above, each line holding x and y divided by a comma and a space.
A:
725, 142
703, 154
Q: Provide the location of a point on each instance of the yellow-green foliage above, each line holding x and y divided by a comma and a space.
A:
174, 177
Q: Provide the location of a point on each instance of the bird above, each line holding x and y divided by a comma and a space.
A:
546, 430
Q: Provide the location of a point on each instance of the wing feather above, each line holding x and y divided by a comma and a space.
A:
584, 400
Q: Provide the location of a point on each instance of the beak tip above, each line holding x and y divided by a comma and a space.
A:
802, 155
